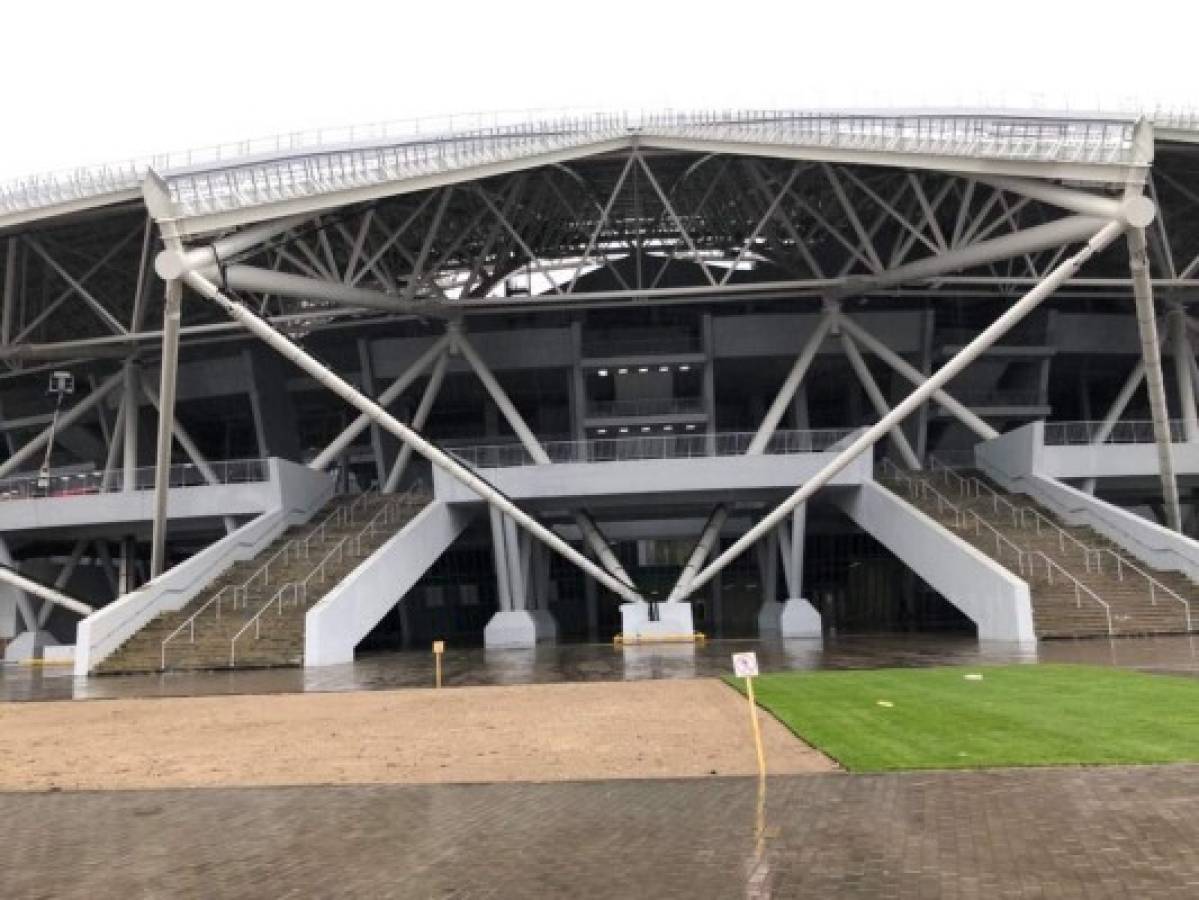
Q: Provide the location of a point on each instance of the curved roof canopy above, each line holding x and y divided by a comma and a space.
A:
232, 185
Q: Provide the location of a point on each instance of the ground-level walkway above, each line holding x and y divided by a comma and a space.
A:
696, 727
1052, 833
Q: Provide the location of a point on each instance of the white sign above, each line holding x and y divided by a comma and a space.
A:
745, 665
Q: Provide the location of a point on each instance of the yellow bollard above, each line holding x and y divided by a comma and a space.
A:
438, 650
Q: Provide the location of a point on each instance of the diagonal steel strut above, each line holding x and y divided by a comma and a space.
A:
921, 394
284, 346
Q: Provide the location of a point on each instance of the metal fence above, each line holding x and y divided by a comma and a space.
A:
662, 446
245, 173
75, 484
1061, 434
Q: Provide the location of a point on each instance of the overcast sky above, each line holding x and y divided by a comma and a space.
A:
88, 82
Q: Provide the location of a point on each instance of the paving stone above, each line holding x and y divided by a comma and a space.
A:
1054, 833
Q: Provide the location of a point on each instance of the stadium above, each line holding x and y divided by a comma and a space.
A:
507, 381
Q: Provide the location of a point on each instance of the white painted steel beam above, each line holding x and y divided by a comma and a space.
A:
436, 456
700, 552
19, 581
1184, 357
1138, 264
418, 421
1014, 314
330, 454
799, 369
915, 376
65, 420
166, 413
1038, 237
524, 434
875, 396
1081, 202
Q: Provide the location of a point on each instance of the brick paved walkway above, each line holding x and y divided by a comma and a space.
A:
1056, 833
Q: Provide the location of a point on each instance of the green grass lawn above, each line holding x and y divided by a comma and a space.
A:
1029, 715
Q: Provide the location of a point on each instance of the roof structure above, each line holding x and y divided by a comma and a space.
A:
229, 185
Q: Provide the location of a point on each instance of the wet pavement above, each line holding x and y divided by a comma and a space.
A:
602, 662
1060, 833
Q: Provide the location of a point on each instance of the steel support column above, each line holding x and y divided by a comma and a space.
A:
1138, 264
166, 410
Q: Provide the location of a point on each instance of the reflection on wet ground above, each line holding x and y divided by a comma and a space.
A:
1069, 832
603, 662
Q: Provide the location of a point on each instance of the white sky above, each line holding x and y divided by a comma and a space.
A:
87, 82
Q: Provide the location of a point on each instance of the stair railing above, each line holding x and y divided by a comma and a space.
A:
1155, 586
190, 622
1079, 588
921, 488
1022, 514
295, 593
276, 602
1001, 540
389, 513
374, 490
947, 473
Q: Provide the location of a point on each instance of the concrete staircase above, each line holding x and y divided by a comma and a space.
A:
1082, 584
252, 616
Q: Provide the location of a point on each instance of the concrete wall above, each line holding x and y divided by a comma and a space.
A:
996, 600
344, 616
299, 494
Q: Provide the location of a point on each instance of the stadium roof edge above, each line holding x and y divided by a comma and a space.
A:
235, 184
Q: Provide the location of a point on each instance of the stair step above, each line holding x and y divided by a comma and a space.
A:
1056, 609
281, 640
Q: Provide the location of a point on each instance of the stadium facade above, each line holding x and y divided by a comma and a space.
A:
728, 372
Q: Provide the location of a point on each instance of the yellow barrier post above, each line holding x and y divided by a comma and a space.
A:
438, 650
745, 665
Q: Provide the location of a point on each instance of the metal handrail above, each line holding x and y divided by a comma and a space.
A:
66, 484
1000, 540
190, 622
1079, 587
1019, 513
935, 465
295, 543
242, 173
680, 443
924, 489
299, 589
1096, 432
1154, 584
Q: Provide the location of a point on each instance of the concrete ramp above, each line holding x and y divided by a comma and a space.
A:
336, 625
995, 599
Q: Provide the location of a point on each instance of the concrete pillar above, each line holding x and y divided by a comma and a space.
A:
796, 617
130, 423
709, 387
591, 598
515, 624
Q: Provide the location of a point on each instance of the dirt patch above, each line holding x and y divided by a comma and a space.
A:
551, 732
